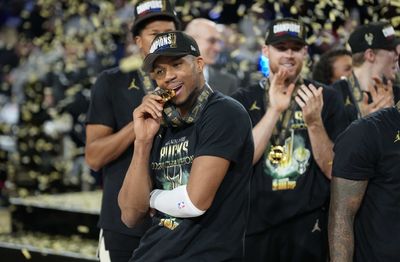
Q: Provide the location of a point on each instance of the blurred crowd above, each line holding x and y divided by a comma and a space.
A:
52, 51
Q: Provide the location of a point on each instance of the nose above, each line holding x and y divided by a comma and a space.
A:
170, 75
289, 52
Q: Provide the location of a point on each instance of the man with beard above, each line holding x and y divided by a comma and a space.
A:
191, 166
294, 124
110, 133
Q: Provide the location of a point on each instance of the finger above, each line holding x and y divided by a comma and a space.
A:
280, 77
372, 91
302, 94
380, 103
312, 88
300, 102
307, 91
290, 89
155, 100
365, 98
148, 108
377, 80
389, 86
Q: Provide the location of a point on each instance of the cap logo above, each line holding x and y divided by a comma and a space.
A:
150, 6
193, 48
369, 37
291, 28
164, 41
388, 31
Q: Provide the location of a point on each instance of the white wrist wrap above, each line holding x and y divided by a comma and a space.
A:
174, 202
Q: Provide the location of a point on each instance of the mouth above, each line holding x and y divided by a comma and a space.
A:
177, 88
288, 65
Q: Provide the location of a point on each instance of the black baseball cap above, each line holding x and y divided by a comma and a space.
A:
285, 29
150, 9
376, 35
176, 43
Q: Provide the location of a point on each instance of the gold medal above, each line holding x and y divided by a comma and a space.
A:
277, 155
166, 94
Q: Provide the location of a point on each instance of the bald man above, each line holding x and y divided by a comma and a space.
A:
208, 37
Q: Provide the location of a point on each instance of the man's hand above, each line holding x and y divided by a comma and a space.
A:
311, 101
147, 118
280, 94
382, 97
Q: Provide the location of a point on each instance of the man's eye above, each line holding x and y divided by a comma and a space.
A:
296, 48
177, 65
281, 48
158, 72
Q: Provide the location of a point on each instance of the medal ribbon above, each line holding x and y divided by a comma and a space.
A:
172, 116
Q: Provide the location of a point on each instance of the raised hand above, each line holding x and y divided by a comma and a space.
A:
147, 117
279, 92
310, 100
381, 94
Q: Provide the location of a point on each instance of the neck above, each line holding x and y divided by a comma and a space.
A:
191, 100
364, 77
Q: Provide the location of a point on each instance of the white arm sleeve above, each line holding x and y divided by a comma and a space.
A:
174, 202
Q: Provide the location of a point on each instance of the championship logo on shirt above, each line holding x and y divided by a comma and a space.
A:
174, 164
286, 163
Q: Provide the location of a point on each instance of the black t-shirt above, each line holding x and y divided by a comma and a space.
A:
370, 150
114, 96
222, 130
297, 185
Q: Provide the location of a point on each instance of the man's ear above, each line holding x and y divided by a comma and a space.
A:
305, 50
138, 41
265, 51
369, 55
199, 64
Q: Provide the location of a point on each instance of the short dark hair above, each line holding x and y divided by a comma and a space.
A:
323, 69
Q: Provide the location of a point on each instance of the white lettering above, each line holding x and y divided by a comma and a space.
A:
160, 42
148, 6
284, 27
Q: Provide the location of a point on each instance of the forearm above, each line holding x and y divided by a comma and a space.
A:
341, 236
106, 149
346, 198
262, 133
133, 198
322, 147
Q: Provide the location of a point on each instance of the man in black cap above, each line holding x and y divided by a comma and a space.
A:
294, 124
364, 215
370, 87
110, 133
191, 165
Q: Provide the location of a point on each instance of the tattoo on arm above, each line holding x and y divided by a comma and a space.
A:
346, 198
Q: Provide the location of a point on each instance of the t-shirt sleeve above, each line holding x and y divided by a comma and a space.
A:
223, 130
356, 152
240, 96
100, 108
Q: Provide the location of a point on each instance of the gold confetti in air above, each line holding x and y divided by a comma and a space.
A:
131, 63
26, 253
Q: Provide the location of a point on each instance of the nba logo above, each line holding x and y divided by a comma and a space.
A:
181, 205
